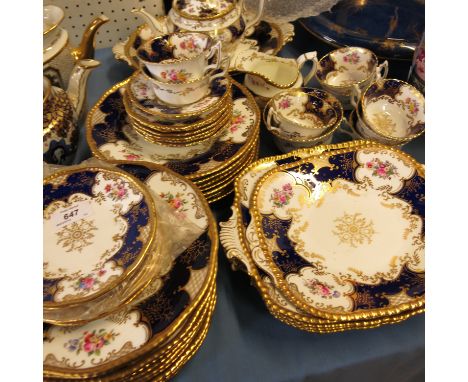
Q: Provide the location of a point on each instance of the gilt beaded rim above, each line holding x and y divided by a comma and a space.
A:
272, 306
418, 300
141, 249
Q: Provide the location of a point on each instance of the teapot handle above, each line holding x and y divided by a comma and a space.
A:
257, 17
302, 59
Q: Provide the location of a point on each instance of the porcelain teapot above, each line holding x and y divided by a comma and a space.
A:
58, 56
224, 20
61, 110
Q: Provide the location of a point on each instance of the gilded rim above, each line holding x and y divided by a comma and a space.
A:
134, 100
186, 15
179, 127
176, 324
300, 92
272, 306
253, 133
347, 316
179, 138
323, 83
417, 94
146, 248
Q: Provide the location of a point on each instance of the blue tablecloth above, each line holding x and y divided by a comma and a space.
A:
245, 343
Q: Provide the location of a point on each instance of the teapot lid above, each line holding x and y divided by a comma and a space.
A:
203, 9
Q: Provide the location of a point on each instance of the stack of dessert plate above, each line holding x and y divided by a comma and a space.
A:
333, 236
130, 123
145, 311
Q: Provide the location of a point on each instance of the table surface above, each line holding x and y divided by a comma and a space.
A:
245, 343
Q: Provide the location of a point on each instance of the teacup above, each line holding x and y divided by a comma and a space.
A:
180, 57
287, 141
340, 70
275, 83
390, 110
296, 112
184, 93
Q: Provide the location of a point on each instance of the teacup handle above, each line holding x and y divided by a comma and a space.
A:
302, 59
355, 95
215, 50
271, 114
383, 66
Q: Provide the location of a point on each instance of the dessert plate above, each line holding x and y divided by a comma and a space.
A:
96, 348
110, 136
98, 227
367, 265
241, 247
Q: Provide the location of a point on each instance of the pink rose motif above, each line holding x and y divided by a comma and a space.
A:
381, 171
87, 282
88, 347
176, 203
131, 156
284, 103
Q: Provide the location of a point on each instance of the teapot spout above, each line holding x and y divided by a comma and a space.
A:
77, 84
86, 48
157, 27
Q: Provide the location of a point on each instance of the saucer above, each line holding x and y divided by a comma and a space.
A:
94, 220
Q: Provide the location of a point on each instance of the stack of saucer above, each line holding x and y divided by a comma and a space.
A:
333, 236
101, 235
112, 136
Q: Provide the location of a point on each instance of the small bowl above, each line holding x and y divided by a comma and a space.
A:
180, 57
392, 109
297, 112
341, 69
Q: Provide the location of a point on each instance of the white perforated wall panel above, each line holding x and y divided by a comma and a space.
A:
79, 13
